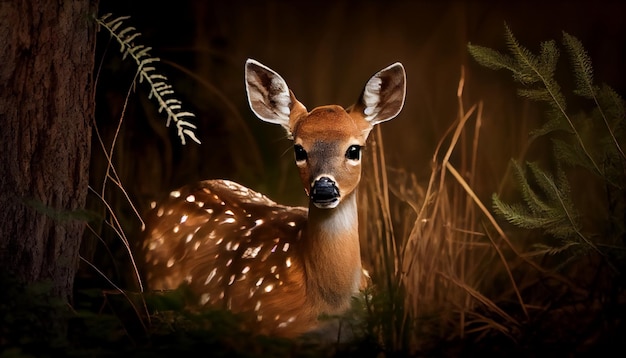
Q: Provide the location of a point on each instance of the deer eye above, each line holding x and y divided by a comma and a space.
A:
300, 153
354, 152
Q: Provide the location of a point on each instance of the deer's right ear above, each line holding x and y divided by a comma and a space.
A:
383, 97
268, 95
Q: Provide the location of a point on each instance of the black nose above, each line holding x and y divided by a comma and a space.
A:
324, 190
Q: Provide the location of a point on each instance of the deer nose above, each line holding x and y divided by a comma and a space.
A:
324, 193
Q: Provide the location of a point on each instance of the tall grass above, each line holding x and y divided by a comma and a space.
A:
434, 250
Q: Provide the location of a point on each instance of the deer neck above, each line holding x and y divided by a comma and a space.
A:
333, 260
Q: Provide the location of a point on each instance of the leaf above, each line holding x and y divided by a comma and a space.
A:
549, 57
570, 154
533, 201
490, 58
160, 90
517, 214
581, 64
535, 94
547, 206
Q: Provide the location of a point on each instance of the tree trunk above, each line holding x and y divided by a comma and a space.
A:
46, 112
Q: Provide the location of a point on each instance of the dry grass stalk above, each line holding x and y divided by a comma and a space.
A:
440, 262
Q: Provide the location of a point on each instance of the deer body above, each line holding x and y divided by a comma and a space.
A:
283, 265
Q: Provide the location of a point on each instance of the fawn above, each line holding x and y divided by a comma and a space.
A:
284, 266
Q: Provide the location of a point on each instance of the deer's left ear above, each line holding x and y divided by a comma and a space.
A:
269, 96
383, 96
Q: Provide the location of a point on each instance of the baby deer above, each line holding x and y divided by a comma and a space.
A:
285, 266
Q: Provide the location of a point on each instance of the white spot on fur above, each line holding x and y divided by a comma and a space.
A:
251, 252
210, 276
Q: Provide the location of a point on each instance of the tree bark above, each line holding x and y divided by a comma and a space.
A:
47, 104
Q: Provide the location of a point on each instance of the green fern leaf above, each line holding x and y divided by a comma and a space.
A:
533, 201
547, 208
516, 214
535, 94
570, 154
548, 58
581, 64
614, 104
490, 58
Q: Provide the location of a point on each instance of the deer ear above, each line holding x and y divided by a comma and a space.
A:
383, 96
268, 94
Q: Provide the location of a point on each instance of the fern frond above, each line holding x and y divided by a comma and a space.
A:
534, 202
531, 69
555, 250
555, 122
570, 154
583, 72
548, 209
535, 94
614, 103
549, 57
615, 113
581, 64
518, 215
160, 90
526, 62
491, 59
538, 69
